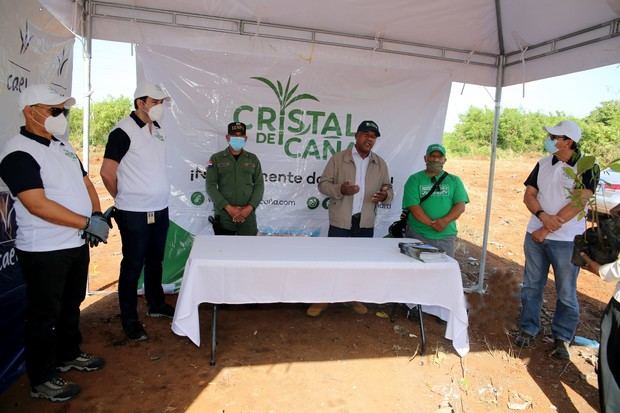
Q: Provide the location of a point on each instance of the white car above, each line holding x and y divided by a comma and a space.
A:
608, 191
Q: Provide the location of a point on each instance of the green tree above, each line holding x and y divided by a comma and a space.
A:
607, 114
601, 132
75, 126
104, 115
519, 131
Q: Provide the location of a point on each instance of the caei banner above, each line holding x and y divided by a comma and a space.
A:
34, 48
298, 114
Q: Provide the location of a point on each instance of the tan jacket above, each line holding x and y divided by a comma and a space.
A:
339, 169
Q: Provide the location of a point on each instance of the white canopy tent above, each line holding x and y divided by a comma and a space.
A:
492, 43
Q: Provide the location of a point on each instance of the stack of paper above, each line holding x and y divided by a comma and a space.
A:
422, 252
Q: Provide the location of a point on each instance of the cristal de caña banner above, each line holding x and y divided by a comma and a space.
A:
298, 114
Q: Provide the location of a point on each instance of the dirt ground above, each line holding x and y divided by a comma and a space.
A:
272, 358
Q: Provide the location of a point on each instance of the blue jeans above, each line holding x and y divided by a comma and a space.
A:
354, 232
448, 244
538, 257
143, 247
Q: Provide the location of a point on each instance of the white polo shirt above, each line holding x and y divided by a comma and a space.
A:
553, 189
142, 181
29, 162
361, 166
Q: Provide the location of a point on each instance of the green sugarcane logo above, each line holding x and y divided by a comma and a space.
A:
285, 97
302, 133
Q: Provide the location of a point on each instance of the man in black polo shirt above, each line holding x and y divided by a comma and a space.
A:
134, 173
549, 239
56, 207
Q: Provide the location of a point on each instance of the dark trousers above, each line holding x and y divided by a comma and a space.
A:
609, 359
143, 247
55, 287
223, 225
354, 232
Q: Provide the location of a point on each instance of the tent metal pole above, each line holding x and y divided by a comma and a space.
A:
87, 57
487, 218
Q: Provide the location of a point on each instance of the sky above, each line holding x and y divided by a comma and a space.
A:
547, 95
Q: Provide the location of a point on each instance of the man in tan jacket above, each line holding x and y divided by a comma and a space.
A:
355, 180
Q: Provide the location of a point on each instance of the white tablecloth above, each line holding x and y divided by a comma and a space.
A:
237, 270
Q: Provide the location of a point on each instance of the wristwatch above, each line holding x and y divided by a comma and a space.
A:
537, 213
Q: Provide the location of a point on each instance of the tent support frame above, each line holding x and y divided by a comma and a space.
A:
479, 288
499, 83
164, 17
86, 116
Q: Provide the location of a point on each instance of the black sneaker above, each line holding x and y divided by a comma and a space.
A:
560, 350
55, 389
83, 362
165, 310
135, 331
524, 340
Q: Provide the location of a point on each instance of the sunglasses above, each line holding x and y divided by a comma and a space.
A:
56, 111
554, 137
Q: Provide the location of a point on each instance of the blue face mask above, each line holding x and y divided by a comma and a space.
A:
550, 145
237, 142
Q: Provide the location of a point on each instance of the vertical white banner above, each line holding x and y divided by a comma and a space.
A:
34, 48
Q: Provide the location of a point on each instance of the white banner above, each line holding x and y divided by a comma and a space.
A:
298, 112
34, 48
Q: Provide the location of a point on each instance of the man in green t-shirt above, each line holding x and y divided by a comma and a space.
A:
433, 220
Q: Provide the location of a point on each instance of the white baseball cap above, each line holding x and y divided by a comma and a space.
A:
44, 94
149, 89
565, 128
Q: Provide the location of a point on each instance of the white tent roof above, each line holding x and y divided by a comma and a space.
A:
493, 43
555, 36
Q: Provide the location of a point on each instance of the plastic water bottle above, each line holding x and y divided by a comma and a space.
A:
582, 341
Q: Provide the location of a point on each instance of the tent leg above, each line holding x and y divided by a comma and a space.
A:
213, 334
87, 58
422, 332
487, 219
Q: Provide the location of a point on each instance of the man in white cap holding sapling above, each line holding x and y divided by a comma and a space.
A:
549, 239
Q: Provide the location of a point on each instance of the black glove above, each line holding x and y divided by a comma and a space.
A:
109, 214
97, 227
91, 240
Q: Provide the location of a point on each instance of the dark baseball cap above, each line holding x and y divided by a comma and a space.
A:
369, 126
234, 127
435, 147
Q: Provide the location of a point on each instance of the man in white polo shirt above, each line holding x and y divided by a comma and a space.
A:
549, 239
56, 207
134, 172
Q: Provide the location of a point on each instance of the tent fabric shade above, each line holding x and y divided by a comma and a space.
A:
491, 43
540, 39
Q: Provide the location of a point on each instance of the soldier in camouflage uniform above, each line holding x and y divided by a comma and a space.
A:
235, 185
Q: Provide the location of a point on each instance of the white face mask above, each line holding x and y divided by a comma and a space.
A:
156, 112
57, 126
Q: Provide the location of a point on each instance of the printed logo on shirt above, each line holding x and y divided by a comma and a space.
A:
441, 191
70, 154
157, 135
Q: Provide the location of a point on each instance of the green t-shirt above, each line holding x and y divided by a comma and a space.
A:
450, 192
